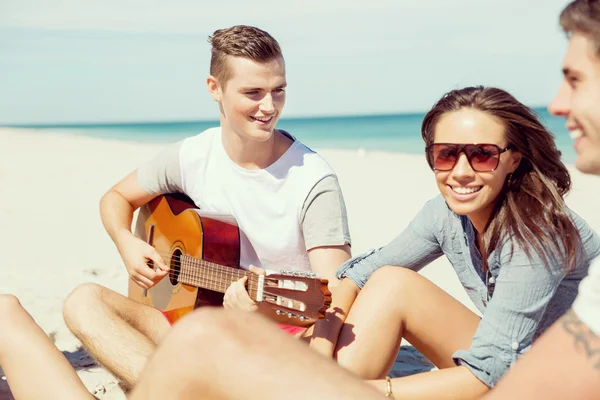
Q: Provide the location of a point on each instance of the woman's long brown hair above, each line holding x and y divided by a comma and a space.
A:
531, 209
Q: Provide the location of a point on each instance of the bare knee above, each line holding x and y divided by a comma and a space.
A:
208, 328
393, 278
79, 302
9, 306
11, 311
395, 286
209, 321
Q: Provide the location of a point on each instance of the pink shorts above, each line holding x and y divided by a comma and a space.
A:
291, 329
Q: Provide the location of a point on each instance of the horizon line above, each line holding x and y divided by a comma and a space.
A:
196, 121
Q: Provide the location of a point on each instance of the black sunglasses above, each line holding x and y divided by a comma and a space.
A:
482, 157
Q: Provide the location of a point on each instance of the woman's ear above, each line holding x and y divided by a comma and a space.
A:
214, 88
516, 157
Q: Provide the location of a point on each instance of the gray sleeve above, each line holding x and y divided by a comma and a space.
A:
323, 215
162, 174
414, 248
523, 289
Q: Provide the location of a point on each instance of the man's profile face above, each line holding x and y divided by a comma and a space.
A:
578, 100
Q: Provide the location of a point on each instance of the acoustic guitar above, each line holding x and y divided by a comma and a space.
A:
202, 250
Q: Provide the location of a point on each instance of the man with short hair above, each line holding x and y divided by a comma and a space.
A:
565, 362
285, 198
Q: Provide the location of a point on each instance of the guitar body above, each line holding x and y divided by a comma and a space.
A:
175, 227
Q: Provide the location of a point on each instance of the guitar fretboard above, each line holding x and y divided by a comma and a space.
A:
208, 275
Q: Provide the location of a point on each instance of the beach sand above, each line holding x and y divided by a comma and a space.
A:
50, 185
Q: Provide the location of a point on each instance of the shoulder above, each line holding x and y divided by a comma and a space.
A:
302, 156
437, 210
328, 183
510, 248
204, 138
436, 218
437, 204
579, 222
325, 194
201, 144
589, 239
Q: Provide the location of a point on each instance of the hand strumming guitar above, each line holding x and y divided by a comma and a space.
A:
236, 295
137, 255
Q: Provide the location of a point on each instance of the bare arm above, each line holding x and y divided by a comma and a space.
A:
119, 203
116, 211
563, 363
326, 331
325, 261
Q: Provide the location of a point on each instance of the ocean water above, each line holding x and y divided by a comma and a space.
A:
397, 132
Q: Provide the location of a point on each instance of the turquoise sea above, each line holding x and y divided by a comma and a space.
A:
394, 132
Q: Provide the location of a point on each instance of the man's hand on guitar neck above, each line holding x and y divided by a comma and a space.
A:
144, 265
236, 295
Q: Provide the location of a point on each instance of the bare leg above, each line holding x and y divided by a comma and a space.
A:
118, 332
395, 303
34, 367
209, 353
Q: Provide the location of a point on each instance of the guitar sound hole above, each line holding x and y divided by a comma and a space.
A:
175, 267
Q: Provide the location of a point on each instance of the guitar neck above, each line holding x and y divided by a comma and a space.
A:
208, 275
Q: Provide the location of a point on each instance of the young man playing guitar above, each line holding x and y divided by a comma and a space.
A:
285, 197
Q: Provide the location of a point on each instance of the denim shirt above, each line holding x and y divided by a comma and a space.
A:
528, 296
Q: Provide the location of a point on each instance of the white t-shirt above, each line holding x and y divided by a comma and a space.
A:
587, 303
293, 205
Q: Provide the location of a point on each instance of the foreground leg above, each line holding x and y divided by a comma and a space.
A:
396, 303
34, 367
118, 332
210, 353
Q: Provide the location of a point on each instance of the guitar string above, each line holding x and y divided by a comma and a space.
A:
215, 273
218, 269
208, 265
212, 267
215, 266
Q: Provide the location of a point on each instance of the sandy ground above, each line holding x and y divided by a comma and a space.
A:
53, 239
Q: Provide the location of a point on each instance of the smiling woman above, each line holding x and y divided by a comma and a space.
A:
502, 223
524, 190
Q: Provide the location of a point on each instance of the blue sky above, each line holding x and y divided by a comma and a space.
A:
145, 60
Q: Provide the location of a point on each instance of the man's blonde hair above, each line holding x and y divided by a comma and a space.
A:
240, 41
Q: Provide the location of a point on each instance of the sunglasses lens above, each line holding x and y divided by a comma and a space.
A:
483, 157
444, 156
